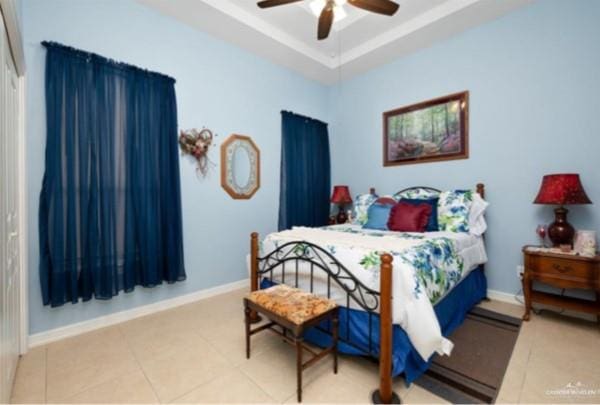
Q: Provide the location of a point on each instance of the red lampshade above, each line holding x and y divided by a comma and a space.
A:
562, 189
341, 195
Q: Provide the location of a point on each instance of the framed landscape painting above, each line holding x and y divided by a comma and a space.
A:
430, 131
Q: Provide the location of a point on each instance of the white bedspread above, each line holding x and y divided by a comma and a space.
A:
425, 268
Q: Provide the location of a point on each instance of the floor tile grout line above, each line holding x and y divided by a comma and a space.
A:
18, 377
311, 381
255, 384
216, 376
536, 332
526, 366
354, 379
352, 359
45, 374
62, 400
235, 368
87, 367
249, 376
192, 389
137, 361
530, 348
238, 367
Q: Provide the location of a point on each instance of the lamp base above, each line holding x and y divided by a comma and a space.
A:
560, 231
342, 217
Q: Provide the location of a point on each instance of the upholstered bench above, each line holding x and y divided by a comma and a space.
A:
295, 311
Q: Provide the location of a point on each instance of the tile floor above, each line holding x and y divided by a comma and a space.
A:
195, 353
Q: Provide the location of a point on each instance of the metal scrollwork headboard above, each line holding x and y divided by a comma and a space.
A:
480, 188
435, 190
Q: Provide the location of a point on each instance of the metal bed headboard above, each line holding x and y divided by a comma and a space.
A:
480, 188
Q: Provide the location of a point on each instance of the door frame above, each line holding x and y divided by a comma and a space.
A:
11, 20
8, 11
23, 224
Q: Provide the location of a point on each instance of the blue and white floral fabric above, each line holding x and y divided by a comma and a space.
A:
425, 268
362, 202
453, 210
416, 194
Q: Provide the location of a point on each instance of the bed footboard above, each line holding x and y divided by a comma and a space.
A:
385, 393
373, 302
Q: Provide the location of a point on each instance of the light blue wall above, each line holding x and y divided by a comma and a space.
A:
534, 82
20, 13
218, 86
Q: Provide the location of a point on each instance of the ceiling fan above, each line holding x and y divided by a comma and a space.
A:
385, 7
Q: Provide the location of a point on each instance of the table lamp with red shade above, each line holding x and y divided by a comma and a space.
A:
561, 189
341, 197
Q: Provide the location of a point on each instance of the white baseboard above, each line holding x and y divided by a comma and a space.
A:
505, 297
42, 338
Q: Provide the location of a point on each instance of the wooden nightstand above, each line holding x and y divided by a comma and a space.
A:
562, 271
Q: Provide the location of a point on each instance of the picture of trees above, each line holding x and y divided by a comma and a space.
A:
433, 130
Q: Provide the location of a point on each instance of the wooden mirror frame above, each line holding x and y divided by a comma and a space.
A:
226, 180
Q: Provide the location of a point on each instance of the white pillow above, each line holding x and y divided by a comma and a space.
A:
477, 223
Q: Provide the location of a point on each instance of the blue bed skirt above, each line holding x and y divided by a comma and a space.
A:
450, 311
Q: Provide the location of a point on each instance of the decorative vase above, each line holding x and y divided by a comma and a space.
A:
341, 218
560, 231
585, 243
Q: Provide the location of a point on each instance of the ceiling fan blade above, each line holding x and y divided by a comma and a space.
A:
325, 21
273, 3
386, 7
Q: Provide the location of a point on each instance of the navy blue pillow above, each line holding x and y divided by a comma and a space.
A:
432, 224
378, 216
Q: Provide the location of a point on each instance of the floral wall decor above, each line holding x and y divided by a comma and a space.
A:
197, 144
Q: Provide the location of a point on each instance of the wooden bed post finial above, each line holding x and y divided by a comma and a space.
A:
481, 189
254, 271
385, 394
254, 261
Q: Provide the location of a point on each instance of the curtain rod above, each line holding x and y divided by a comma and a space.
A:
102, 59
303, 117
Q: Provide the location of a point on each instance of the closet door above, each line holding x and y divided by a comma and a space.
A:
9, 220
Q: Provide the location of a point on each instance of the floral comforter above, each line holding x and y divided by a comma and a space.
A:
426, 268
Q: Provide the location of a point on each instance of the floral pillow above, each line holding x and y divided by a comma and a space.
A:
360, 212
453, 210
416, 194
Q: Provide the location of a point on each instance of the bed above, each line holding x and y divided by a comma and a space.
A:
435, 279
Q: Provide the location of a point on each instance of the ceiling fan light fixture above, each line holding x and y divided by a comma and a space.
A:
317, 6
330, 11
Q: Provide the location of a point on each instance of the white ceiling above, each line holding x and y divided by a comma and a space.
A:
287, 35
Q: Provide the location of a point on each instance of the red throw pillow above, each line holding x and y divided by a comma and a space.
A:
386, 201
405, 217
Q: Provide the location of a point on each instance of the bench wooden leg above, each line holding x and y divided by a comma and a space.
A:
247, 321
298, 340
336, 323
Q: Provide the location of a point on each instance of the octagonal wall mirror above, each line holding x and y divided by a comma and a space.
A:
240, 167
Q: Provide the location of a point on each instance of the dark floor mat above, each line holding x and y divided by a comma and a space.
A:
483, 345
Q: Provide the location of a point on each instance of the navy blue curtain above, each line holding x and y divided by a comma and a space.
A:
305, 172
110, 205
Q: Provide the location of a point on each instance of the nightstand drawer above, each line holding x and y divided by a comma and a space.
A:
560, 271
582, 271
